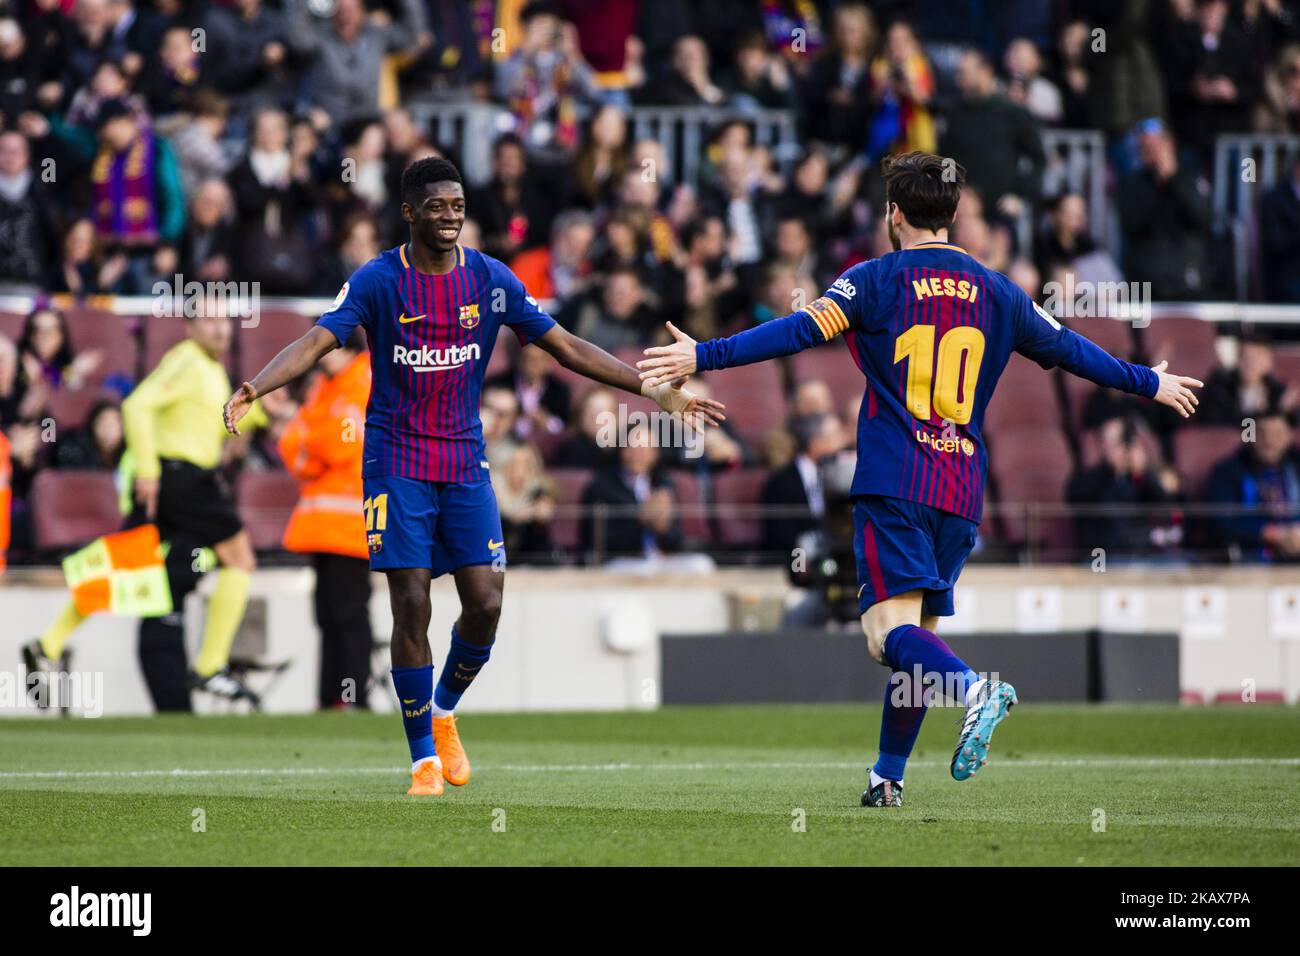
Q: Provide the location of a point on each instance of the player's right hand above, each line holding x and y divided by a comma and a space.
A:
1176, 391
237, 407
668, 363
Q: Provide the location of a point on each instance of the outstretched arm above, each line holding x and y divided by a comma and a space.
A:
582, 357
294, 359
783, 336
1049, 343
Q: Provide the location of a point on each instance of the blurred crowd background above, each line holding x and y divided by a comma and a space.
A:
261, 141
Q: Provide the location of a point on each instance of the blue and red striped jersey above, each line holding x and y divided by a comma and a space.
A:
931, 329
430, 340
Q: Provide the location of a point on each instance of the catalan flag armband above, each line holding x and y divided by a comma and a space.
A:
828, 316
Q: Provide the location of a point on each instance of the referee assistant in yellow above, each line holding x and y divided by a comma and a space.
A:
174, 440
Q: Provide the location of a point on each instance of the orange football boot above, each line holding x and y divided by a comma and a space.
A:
455, 765
426, 780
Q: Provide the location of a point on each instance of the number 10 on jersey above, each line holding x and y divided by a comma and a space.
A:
946, 386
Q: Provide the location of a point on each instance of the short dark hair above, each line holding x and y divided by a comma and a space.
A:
926, 188
422, 172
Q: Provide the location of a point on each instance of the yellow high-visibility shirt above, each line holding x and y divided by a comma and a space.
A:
176, 411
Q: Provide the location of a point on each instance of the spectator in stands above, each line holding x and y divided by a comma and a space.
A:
527, 502
273, 195
359, 243
347, 53
29, 225
248, 51
560, 270
546, 84
98, 444
1265, 477
138, 204
902, 84
1210, 76
1165, 220
596, 408
170, 85
208, 246
511, 208
1279, 237
759, 80
997, 141
85, 269
688, 81
837, 95
543, 397
1125, 83
795, 494
1232, 395
1066, 236
812, 397
1278, 110
47, 363
792, 247
642, 525
1125, 475
109, 82
599, 166
19, 70
618, 317
198, 141
1026, 85
1071, 74
499, 411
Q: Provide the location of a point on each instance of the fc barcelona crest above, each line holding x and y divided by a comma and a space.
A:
469, 316
375, 542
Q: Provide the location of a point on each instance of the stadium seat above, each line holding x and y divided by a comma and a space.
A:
832, 364
1031, 466
70, 409
1114, 335
266, 500
569, 484
11, 325
1187, 344
692, 506
258, 344
1198, 450
114, 336
73, 508
1286, 364
754, 396
737, 494
503, 353
1025, 397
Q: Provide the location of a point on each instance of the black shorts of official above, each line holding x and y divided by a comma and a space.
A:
195, 504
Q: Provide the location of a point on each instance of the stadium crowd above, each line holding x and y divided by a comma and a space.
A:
263, 142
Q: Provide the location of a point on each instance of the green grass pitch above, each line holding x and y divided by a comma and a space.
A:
720, 785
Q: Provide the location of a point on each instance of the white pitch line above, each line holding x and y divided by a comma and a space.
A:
179, 772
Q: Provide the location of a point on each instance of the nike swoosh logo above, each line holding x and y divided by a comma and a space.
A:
407, 319
493, 545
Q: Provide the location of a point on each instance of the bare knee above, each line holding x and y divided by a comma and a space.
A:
479, 615
236, 552
409, 599
875, 643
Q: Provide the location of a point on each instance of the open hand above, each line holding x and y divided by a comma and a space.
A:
1176, 391
237, 407
668, 363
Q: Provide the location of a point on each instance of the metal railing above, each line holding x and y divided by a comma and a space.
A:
1244, 167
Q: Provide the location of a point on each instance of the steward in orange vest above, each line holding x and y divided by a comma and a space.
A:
321, 447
